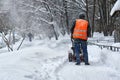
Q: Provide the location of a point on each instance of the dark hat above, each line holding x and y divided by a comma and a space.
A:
81, 16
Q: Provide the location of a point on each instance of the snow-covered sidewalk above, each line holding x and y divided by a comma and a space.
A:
39, 61
36, 61
98, 70
93, 72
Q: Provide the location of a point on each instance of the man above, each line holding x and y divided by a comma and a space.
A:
80, 31
30, 36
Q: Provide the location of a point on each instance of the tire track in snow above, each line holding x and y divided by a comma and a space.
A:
48, 69
59, 68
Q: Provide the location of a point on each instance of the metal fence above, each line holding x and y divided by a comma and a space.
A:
112, 48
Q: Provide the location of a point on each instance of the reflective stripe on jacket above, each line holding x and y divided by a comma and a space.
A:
80, 30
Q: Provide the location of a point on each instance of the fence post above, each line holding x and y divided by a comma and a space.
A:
114, 48
117, 49
110, 47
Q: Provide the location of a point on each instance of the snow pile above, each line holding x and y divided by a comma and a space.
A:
99, 38
115, 8
116, 44
111, 59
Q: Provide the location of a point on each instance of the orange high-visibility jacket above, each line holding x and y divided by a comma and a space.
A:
80, 30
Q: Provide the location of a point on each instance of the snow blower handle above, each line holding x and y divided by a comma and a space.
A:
72, 40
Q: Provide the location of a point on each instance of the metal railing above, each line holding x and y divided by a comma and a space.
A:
112, 48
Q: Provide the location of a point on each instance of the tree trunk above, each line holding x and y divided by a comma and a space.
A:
21, 42
93, 17
13, 37
87, 15
117, 34
66, 15
7, 42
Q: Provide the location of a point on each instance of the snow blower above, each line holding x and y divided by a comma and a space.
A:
71, 53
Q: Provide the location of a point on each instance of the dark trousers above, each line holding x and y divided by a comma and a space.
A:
83, 45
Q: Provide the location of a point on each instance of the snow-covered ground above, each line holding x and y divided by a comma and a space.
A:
47, 60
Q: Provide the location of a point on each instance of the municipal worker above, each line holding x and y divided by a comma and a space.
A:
80, 32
